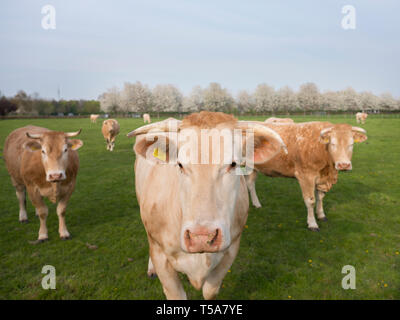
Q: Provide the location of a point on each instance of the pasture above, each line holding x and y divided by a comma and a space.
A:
278, 258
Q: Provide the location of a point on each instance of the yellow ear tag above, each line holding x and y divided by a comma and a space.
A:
326, 140
356, 140
159, 154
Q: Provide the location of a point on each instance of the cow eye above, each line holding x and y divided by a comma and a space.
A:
66, 149
180, 165
43, 151
233, 164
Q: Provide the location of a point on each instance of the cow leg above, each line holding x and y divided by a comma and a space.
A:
42, 211
169, 278
62, 227
251, 185
151, 272
112, 144
308, 189
320, 208
213, 282
21, 195
108, 144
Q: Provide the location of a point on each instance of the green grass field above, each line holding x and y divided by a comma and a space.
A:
278, 258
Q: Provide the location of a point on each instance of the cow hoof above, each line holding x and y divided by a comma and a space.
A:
24, 221
152, 275
66, 238
323, 219
314, 229
42, 240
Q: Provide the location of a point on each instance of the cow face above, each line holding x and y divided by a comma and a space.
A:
209, 179
54, 147
340, 140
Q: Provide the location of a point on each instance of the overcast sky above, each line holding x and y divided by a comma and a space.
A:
100, 44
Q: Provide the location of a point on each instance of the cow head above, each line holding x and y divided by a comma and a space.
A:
54, 147
340, 139
208, 173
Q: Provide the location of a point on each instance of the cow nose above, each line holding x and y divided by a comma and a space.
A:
55, 176
343, 166
198, 240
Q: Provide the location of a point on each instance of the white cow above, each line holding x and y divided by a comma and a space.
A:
194, 214
146, 118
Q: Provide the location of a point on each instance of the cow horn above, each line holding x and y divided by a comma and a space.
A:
34, 135
73, 134
326, 130
358, 130
258, 127
168, 125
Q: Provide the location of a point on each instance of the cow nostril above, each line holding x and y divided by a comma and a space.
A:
187, 234
212, 237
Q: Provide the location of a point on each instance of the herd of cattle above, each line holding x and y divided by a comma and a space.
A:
194, 226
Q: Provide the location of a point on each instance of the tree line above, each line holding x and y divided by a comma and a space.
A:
24, 104
139, 98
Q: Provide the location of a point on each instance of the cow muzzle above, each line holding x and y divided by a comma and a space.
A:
55, 176
201, 239
343, 166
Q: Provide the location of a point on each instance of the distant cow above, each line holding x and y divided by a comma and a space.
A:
361, 117
110, 131
316, 152
45, 163
194, 214
279, 120
146, 118
93, 118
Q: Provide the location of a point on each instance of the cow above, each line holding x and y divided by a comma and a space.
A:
194, 213
146, 118
93, 118
44, 163
361, 117
279, 120
316, 152
110, 131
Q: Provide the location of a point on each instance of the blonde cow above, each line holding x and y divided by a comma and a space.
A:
110, 131
194, 212
361, 117
93, 118
316, 152
146, 118
279, 120
44, 163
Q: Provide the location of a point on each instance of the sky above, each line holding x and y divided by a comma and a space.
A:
100, 44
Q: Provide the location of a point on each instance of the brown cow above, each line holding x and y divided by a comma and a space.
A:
194, 212
316, 152
279, 120
45, 163
146, 118
361, 117
110, 131
93, 118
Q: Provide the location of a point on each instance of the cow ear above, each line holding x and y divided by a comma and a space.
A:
325, 136
155, 148
359, 134
266, 146
75, 144
32, 146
